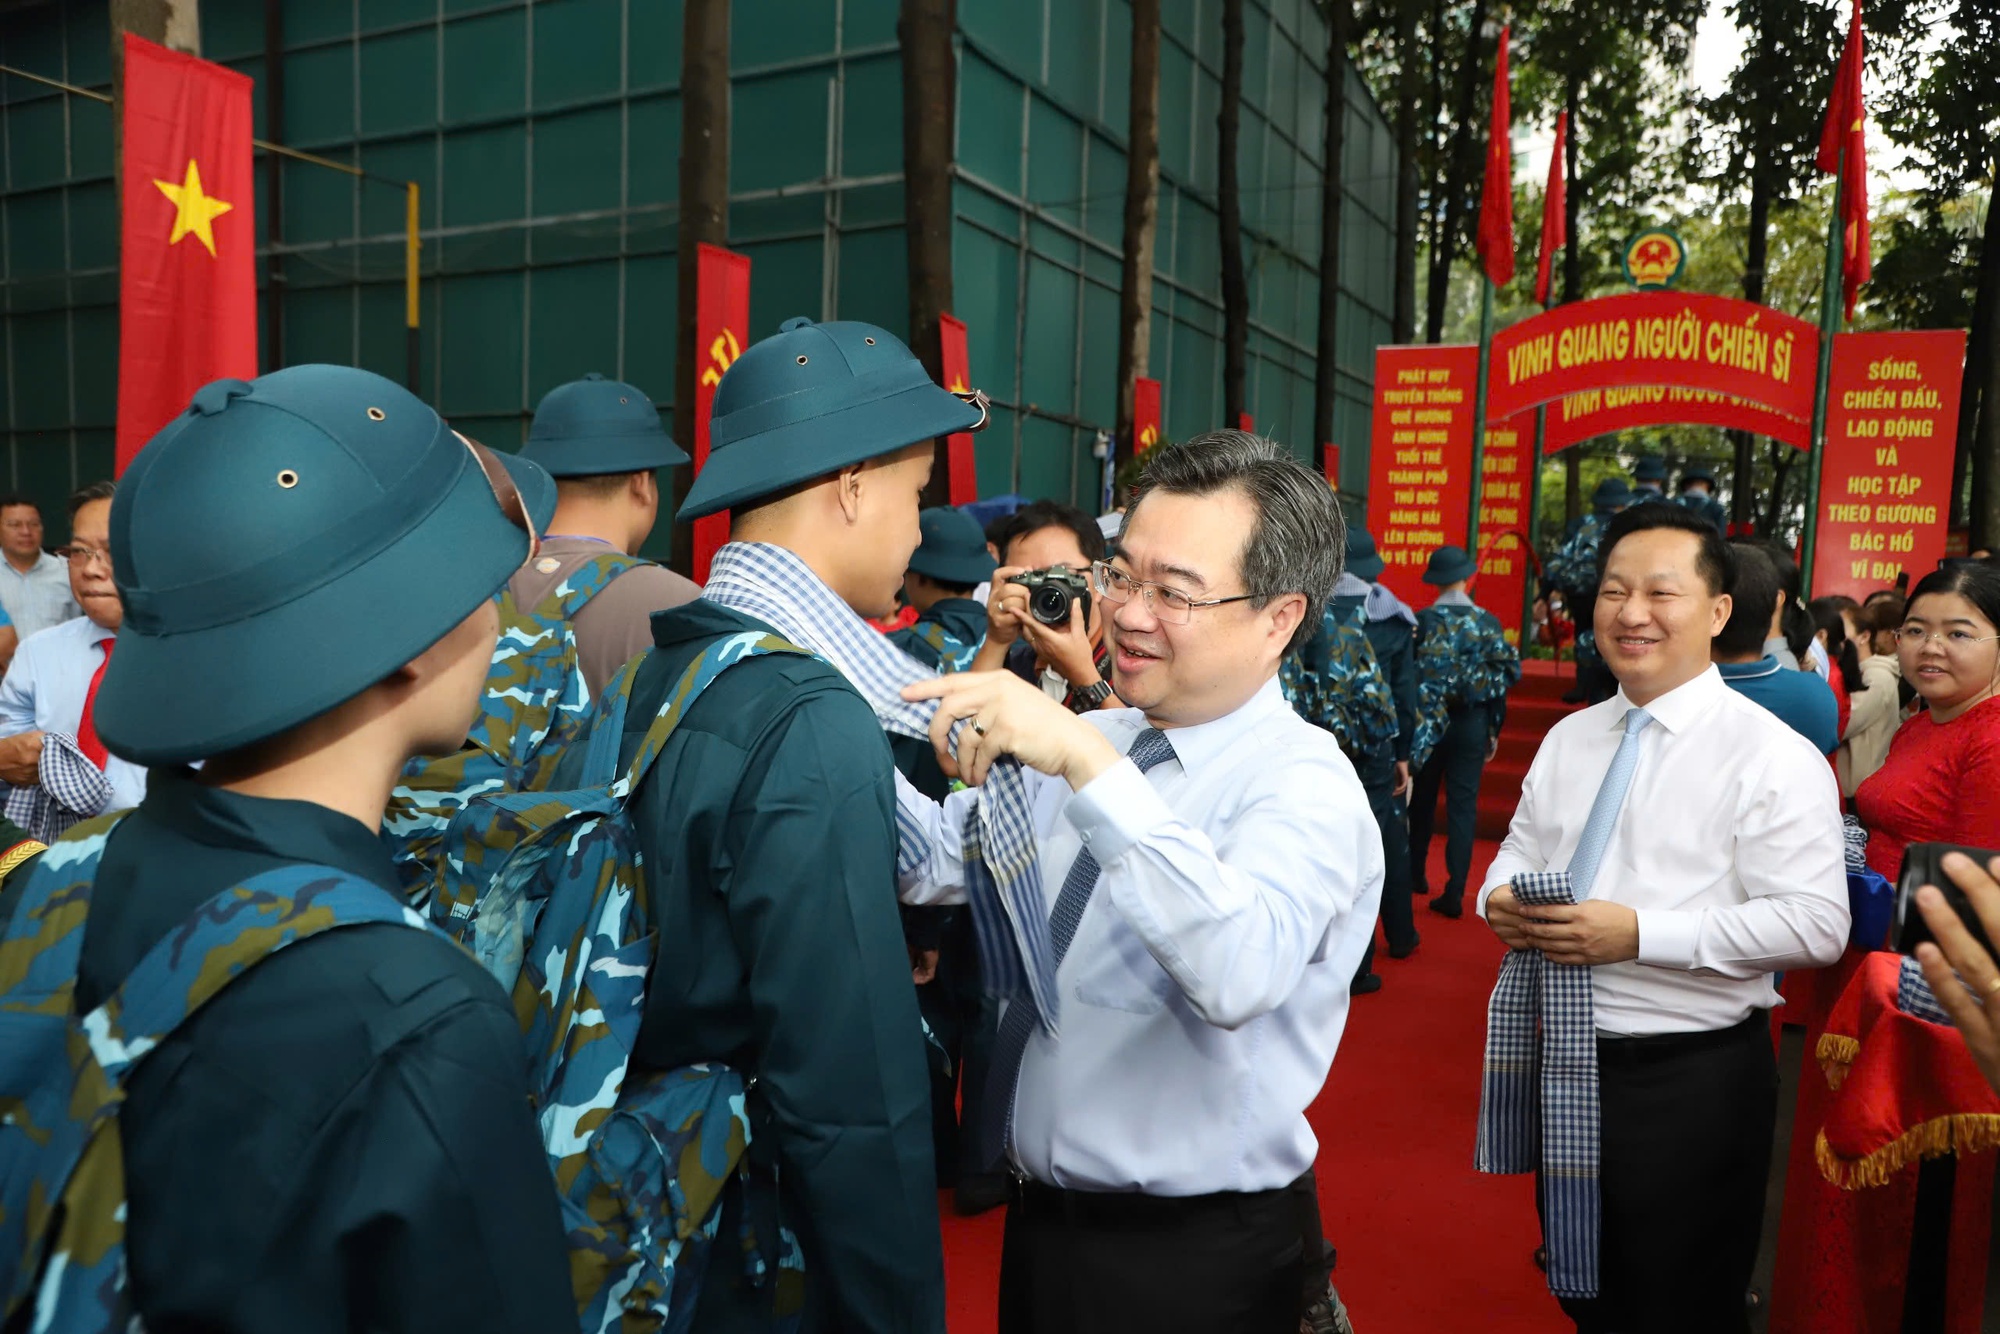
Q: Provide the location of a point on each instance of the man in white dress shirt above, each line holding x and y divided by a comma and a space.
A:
51, 686
1213, 860
1723, 866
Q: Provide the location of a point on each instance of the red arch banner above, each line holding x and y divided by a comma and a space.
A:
1678, 340
1580, 417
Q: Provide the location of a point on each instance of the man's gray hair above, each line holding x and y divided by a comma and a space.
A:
1300, 542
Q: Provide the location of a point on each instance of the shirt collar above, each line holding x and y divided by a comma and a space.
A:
1455, 598
93, 633
1197, 745
1744, 671
300, 831
1680, 707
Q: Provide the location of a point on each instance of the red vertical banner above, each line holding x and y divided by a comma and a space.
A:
1885, 482
961, 471
1145, 414
1420, 459
1503, 522
1245, 422
187, 277
1329, 464
722, 324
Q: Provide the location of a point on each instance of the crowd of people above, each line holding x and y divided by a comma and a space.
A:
1056, 894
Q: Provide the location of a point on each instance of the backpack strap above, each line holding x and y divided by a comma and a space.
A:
711, 662
43, 938
224, 938
586, 581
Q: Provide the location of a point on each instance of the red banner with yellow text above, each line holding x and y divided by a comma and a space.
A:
1503, 521
1685, 340
1145, 414
1885, 481
722, 325
1581, 417
961, 471
187, 278
1420, 459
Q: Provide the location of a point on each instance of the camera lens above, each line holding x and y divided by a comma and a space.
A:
1049, 604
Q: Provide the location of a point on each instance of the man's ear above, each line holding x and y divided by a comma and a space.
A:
847, 491
1286, 614
644, 488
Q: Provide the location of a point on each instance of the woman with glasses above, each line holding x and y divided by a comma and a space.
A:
1941, 780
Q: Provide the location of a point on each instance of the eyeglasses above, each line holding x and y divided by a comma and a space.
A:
505, 492
82, 553
1915, 636
1170, 605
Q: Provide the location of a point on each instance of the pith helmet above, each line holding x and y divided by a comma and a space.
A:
813, 399
287, 542
594, 426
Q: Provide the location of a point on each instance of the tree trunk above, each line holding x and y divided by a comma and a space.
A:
923, 31
1142, 210
1982, 346
1983, 369
704, 217
1458, 176
1783, 456
1572, 279
1229, 198
1326, 372
1756, 256
1409, 94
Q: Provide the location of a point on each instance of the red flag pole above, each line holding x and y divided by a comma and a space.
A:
1841, 150
1555, 228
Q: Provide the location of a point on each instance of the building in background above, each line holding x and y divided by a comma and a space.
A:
545, 139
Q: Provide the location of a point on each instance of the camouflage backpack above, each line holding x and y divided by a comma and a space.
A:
536, 703
954, 655
545, 889
1335, 682
1463, 657
63, 1075
1573, 565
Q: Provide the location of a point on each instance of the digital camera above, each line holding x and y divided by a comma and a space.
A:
1051, 591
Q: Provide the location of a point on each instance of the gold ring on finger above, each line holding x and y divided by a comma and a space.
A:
1993, 985
979, 727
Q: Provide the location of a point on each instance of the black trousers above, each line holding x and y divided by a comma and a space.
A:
1687, 1124
965, 1021
1455, 766
1079, 1263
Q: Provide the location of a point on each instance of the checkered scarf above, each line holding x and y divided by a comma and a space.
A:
71, 790
1552, 1072
1003, 873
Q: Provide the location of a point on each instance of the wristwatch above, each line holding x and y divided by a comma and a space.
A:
1086, 698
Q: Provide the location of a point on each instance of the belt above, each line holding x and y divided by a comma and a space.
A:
1653, 1047
1034, 1199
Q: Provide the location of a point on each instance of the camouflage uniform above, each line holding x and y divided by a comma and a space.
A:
1335, 681
1573, 569
1393, 639
1465, 667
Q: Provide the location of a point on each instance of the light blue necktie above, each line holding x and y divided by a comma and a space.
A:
1604, 810
1538, 1104
1149, 748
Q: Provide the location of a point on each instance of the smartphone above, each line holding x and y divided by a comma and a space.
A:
1921, 867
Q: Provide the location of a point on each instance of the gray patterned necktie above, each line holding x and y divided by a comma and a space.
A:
1149, 749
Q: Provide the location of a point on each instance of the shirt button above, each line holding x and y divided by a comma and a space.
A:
1085, 835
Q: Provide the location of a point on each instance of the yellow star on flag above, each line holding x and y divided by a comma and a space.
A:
196, 212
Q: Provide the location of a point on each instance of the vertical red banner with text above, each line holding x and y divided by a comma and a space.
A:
722, 328
1145, 414
961, 472
1420, 459
1503, 522
1329, 464
1885, 483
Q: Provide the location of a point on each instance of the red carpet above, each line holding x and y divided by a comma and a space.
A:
1426, 1244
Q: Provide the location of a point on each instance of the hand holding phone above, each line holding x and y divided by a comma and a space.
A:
1923, 865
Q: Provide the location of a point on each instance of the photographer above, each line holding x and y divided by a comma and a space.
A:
1069, 662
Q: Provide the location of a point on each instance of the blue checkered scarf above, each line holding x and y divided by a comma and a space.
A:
1538, 1097
71, 790
1003, 874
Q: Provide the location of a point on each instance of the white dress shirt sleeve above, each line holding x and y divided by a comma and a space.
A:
17, 694
1791, 859
939, 878
1521, 851
1235, 922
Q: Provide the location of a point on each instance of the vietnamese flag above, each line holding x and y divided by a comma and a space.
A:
187, 275
1496, 199
1846, 117
1555, 212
